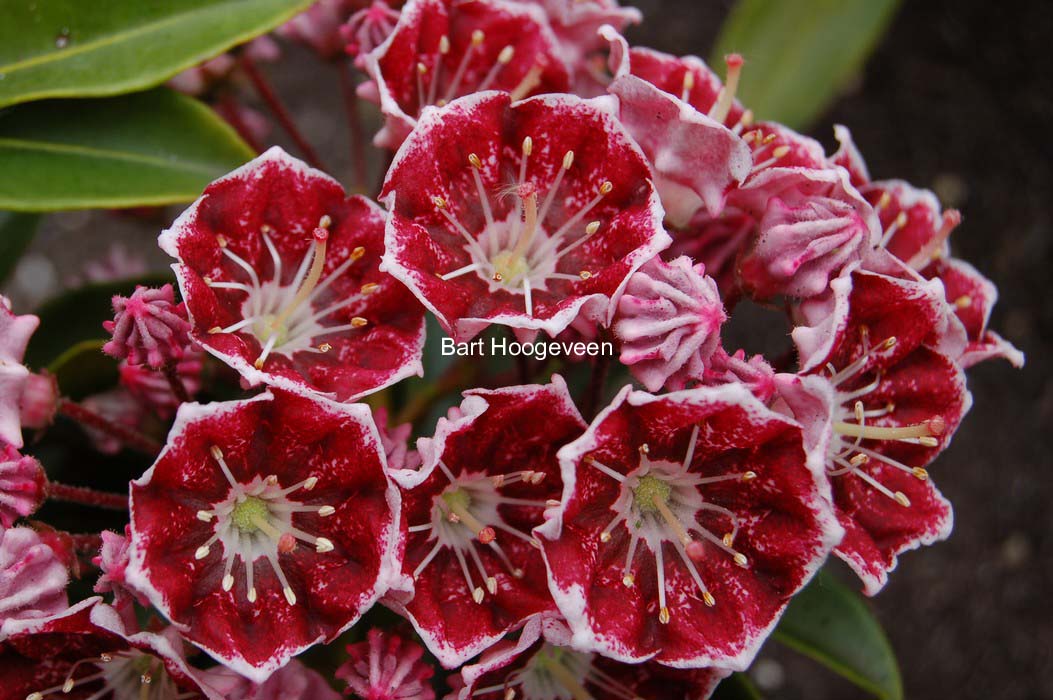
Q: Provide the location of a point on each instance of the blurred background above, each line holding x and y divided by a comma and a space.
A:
956, 97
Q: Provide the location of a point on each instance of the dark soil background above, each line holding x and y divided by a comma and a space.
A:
958, 97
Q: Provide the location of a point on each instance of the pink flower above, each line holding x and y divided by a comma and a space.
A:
148, 327
294, 681
754, 373
112, 561
367, 29
387, 666
116, 405
395, 440
279, 272
878, 406
15, 332
443, 49
522, 214
541, 665
669, 323
695, 158
265, 526
687, 522
488, 475
87, 652
811, 224
23, 486
32, 580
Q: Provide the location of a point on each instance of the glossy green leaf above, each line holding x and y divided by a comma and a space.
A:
737, 686
77, 316
830, 623
150, 148
16, 233
84, 370
66, 48
800, 53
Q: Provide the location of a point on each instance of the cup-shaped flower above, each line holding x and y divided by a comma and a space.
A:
524, 214
878, 404
444, 49
279, 271
687, 522
489, 473
265, 526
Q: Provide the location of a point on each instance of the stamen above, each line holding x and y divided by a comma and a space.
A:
720, 109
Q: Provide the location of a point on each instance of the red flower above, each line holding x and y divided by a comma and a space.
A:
488, 475
687, 522
88, 652
279, 272
878, 405
387, 666
541, 665
265, 526
522, 214
695, 158
444, 49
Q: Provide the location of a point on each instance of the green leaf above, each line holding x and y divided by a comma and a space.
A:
830, 623
737, 686
800, 53
66, 48
145, 149
76, 316
84, 370
16, 233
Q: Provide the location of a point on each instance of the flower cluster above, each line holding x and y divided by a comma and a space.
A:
535, 540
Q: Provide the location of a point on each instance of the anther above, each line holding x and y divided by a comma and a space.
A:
357, 253
585, 274
310, 482
505, 57
228, 582
325, 222
528, 145
663, 616
478, 594
439, 202
215, 329
628, 580
902, 499
286, 543
326, 511
921, 473
568, 160
358, 322
707, 597
474, 160
592, 228
606, 187
369, 288
780, 152
749, 476
444, 44
325, 347
201, 552
491, 584
289, 595
205, 515
478, 37
252, 595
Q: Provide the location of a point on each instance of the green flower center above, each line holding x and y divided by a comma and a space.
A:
648, 491
248, 512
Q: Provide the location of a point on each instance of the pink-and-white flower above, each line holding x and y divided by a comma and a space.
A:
294, 681
32, 580
668, 321
279, 271
367, 29
265, 526
489, 473
665, 103
879, 404
387, 666
15, 332
687, 522
444, 49
23, 486
525, 214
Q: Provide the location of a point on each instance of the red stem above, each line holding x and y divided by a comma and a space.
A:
131, 438
277, 107
354, 124
174, 381
86, 496
86, 542
232, 115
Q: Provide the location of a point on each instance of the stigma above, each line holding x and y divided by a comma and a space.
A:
290, 316
465, 519
860, 427
256, 520
660, 503
525, 250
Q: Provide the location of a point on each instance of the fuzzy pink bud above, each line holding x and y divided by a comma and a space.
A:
148, 327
